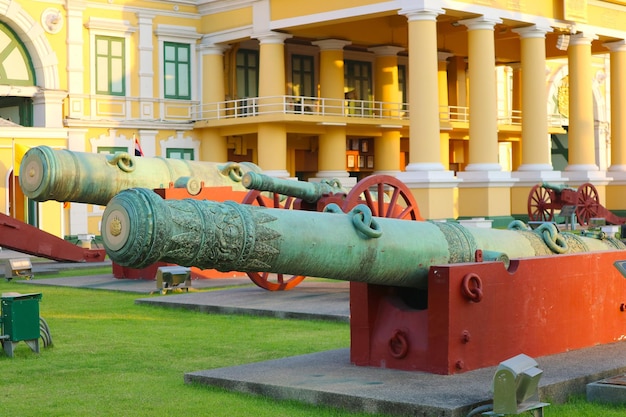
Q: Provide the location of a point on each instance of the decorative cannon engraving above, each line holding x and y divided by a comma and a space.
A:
140, 228
82, 177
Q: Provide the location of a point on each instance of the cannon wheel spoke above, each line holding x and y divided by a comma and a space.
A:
265, 280
539, 204
397, 201
257, 198
588, 203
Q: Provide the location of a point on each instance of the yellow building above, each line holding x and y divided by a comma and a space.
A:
469, 103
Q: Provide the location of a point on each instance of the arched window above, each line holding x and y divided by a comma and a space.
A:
16, 67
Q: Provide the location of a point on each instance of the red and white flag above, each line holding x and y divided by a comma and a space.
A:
138, 151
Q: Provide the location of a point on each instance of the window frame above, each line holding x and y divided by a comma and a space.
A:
302, 73
184, 151
111, 150
183, 35
177, 46
247, 68
110, 39
114, 28
17, 44
358, 81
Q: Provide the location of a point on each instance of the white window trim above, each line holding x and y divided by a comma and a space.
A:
181, 141
116, 28
178, 34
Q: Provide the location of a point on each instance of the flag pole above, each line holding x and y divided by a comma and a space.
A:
12, 203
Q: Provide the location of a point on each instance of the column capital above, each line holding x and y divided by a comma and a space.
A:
146, 17
386, 50
480, 23
617, 46
275, 38
582, 38
444, 56
533, 31
207, 47
50, 96
422, 12
331, 44
78, 5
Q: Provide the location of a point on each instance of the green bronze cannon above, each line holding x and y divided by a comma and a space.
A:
309, 192
139, 228
82, 177
385, 195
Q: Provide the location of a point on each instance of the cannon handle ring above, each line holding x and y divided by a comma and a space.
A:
123, 160
233, 171
334, 182
364, 222
552, 238
398, 344
473, 292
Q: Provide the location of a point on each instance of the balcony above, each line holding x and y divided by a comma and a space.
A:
310, 106
88, 108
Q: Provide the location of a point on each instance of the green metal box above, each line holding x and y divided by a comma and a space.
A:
20, 316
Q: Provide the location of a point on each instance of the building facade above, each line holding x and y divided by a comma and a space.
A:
469, 103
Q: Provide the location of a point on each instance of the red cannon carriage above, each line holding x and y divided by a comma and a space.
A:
544, 199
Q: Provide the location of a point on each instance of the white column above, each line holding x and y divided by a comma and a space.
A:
536, 145
48, 108
75, 54
146, 73
424, 167
582, 165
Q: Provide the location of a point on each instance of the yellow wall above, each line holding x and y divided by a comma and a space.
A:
227, 20
284, 9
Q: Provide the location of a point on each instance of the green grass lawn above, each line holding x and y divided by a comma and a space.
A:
112, 357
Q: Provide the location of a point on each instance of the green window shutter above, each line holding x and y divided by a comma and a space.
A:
110, 66
247, 73
180, 153
177, 70
302, 75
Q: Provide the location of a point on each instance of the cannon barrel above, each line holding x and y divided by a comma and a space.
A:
139, 228
306, 191
82, 177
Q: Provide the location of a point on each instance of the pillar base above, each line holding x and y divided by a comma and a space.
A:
578, 177
277, 173
526, 181
485, 194
347, 182
434, 191
424, 166
616, 191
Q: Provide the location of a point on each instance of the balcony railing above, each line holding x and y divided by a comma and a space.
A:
101, 107
258, 106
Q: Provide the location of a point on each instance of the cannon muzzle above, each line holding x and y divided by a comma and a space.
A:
82, 177
309, 192
139, 228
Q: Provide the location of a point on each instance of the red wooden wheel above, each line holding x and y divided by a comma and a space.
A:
386, 196
588, 203
265, 280
540, 204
